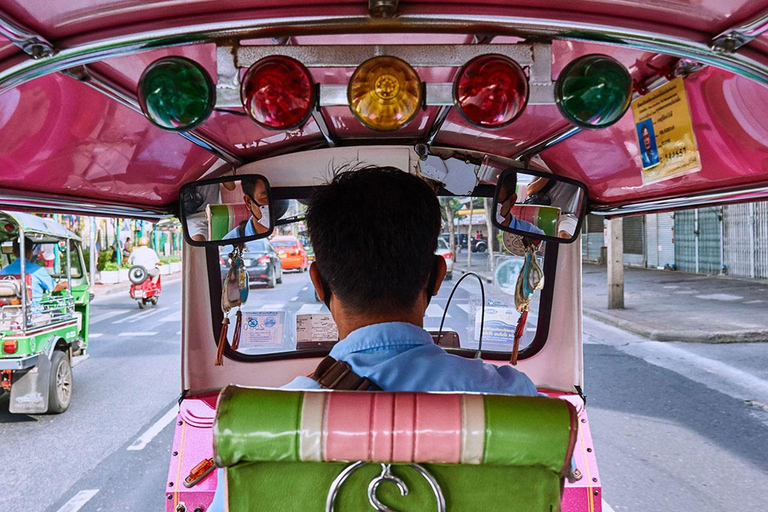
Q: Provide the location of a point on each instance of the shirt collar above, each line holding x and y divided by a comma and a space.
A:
384, 335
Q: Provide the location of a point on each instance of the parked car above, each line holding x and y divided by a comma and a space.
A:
291, 252
460, 239
444, 251
260, 259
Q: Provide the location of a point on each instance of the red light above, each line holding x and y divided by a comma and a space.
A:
10, 346
490, 91
221, 262
9, 227
448, 255
278, 93
264, 259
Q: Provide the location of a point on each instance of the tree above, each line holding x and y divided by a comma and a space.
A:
488, 203
450, 205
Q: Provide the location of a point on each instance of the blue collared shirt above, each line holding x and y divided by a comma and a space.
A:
402, 357
41, 281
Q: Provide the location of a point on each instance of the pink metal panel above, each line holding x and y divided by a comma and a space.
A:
59, 136
730, 119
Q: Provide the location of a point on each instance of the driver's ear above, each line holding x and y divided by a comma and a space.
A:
317, 282
440, 270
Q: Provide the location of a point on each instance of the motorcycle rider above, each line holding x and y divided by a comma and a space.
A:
146, 257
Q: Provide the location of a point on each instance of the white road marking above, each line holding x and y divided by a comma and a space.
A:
465, 307
309, 309
272, 307
178, 333
754, 302
156, 428
671, 287
685, 292
305, 288
109, 314
92, 335
77, 501
435, 311
720, 296
607, 507
138, 334
140, 316
294, 299
173, 317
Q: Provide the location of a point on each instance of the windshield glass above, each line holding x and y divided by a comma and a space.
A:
284, 315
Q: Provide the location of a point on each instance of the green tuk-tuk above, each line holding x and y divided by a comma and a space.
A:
44, 334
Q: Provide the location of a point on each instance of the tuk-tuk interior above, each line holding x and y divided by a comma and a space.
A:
71, 82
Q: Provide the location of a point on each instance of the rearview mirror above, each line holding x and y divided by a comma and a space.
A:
226, 211
539, 205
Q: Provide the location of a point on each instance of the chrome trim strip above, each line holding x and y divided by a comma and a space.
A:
322, 125
19, 364
14, 199
735, 37
118, 93
681, 203
675, 45
32, 44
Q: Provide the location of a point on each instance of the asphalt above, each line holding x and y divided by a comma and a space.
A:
664, 305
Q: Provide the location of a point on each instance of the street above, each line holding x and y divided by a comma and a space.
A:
676, 426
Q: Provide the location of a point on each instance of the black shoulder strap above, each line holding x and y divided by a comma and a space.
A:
333, 374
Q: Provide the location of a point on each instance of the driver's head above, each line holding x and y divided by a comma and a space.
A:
254, 195
507, 195
374, 231
28, 248
143, 241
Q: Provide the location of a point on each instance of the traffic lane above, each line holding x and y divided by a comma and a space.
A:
665, 442
125, 383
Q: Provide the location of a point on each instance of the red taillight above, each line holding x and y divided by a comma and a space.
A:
221, 261
278, 93
10, 346
264, 259
448, 255
491, 91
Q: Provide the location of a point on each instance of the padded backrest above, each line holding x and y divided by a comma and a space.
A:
546, 218
10, 288
223, 218
472, 444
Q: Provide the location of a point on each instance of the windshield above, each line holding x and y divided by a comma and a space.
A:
284, 315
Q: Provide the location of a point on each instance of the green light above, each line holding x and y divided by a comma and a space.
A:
593, 91
176, 93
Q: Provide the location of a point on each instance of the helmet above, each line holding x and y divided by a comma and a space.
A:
144, 241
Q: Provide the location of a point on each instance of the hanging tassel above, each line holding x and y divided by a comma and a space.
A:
238, 326
519, 330
222, 341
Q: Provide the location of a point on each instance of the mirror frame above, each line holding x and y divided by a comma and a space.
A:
223, 179
527, 234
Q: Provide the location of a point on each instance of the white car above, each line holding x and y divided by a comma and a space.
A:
444, 251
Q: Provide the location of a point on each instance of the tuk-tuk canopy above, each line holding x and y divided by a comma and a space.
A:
72, 136
35, 228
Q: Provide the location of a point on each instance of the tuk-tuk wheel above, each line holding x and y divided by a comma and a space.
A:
142, 304
60, 383
153, 300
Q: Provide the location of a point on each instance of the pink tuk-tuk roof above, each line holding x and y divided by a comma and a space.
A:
64, 144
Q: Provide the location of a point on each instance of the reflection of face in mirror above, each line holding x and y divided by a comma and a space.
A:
506, 197
256, 201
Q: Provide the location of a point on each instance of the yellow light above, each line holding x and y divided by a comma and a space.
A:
385, 93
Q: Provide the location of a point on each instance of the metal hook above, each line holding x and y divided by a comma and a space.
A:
386, 476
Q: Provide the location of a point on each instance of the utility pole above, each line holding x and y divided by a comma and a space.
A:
615, 264
92, 240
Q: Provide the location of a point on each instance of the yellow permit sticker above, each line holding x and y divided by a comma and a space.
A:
665, 133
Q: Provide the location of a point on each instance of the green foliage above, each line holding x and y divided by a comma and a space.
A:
169, 259
105, 257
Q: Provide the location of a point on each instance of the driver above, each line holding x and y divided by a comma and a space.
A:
146, 257
41, 281
374, 231
506, 199
256, 201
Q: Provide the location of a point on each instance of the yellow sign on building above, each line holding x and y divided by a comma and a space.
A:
665, 133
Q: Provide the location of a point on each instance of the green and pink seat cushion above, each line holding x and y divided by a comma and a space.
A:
223, 218
283, 450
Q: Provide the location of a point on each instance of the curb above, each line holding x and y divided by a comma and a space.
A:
169, 278
760, 336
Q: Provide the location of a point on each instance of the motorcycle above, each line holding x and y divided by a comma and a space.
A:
144, 289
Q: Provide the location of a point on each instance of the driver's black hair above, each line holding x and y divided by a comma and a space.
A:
374, 231
248, 184
28, 246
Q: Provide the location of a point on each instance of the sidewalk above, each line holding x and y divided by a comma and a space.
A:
672, 306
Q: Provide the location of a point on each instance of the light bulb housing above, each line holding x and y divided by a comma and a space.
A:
385, 93
491, 91
593, 91
176, 93
278, 93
